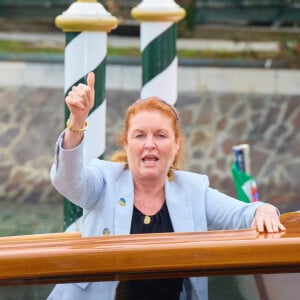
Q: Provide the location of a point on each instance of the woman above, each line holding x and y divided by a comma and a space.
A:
142, 191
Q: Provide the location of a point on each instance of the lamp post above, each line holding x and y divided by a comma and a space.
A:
158, 33
86, 23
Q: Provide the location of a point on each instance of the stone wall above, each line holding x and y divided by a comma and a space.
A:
31, 119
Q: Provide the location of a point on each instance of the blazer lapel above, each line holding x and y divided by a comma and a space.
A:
124, 203
178, 202
180, 208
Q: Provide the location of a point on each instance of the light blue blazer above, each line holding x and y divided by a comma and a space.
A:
98, 186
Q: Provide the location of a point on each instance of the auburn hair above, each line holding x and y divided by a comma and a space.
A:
151, 104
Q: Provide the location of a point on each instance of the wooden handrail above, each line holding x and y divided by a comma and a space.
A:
65, 258
38, 237
291, 221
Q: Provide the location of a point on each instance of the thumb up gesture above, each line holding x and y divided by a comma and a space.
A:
80, 100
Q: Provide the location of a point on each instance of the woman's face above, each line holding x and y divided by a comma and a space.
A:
151, 145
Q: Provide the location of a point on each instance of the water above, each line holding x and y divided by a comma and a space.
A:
23, 219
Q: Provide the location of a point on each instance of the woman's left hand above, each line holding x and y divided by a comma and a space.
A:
266, 219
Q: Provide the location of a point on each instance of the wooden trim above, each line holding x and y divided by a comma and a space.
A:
291, 221
46, 259
40, 237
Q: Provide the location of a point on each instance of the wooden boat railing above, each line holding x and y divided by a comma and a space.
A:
68, 257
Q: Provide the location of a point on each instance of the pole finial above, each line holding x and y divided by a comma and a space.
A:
157, 10
86, 15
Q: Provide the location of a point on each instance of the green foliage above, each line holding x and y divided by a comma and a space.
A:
26, 47
290, 48
289, 51
123, 51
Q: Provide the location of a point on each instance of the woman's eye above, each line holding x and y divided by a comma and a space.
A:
138, 135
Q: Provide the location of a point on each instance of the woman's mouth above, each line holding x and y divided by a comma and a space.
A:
149, 159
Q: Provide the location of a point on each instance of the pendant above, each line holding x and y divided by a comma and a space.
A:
147, 220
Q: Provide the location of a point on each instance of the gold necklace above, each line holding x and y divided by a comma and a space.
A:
147, 220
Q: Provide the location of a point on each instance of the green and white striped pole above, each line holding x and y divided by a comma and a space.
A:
158, 33
86, 23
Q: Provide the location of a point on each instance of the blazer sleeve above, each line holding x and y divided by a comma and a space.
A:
224, 212
78, 182
212, 209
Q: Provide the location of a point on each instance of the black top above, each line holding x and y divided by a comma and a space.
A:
157, 289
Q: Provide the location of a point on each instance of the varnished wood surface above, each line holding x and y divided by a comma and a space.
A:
35, 237
291, 221
53, 259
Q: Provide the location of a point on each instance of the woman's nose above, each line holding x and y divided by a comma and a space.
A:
149, 143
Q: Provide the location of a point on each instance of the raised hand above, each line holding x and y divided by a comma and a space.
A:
80, 100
